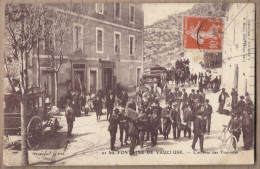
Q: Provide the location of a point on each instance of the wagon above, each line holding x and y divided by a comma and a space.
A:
155, 75
39, 116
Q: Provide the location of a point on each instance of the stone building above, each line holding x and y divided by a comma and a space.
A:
238, 63
105, 47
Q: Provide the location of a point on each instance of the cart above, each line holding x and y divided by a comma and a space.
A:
41, 117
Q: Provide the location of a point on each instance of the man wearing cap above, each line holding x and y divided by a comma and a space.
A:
175, 119
112, 128
222, 100
155, 124
234, 126
234, 96
207, 116
198, 131
240, 106
166, 120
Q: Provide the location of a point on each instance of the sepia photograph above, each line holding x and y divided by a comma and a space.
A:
108, 84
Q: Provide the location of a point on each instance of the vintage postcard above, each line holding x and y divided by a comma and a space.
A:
106, 84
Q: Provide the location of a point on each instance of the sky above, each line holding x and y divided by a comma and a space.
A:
157, 11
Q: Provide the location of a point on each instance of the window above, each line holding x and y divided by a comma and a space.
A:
132, 13
100, 8
117, 10
99, 40
131, 45
117, 42
77, 37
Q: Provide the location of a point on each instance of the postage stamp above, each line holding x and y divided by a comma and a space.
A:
202, 33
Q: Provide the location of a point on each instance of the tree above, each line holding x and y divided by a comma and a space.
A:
22, 30
56, 30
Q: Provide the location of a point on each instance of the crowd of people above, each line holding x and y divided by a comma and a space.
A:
242, 116
141, 120
181, 110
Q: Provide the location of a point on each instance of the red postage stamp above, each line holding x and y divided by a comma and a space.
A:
202, 33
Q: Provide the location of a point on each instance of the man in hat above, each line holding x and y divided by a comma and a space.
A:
192, 97
155, 124
249, 106
207, 116
247, 131
195, 77
147, 110
234, 126
198, 131
156, 105
177, 96
110, 101
166, 120
240, 106
123, 127
188, 118
222, 100
141, 127
202, 96
131, 104
124, 98
175, 119
197, 106
184, 99
70, 116
234, 96
198, 95
112, 128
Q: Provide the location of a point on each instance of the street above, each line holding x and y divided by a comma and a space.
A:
91, 141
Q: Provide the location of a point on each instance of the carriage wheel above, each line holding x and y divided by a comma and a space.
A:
232, 143
34, 130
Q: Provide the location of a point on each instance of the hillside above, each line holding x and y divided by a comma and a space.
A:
163, 39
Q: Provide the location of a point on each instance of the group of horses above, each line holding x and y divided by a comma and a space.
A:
181, 76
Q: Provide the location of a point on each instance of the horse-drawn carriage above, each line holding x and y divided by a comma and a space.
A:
155, 76
41, 117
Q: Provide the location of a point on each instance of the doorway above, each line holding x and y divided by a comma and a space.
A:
47, 80
93, 81
79, 80
108, 79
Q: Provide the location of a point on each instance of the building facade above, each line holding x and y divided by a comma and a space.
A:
238, 63
104, 47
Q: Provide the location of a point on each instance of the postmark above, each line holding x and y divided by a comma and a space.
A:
204, 33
